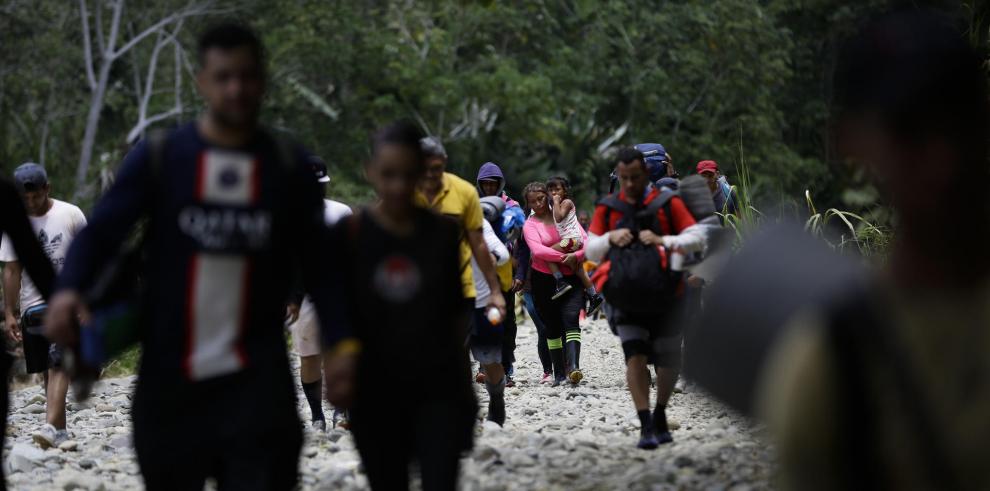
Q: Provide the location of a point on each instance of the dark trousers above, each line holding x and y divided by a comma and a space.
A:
541, 336
563, 314
430, 434
509, 331
243, 431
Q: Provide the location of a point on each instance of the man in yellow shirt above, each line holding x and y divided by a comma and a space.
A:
452, 196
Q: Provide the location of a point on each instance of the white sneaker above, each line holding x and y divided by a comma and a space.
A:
681, 386
341, 419
48, 437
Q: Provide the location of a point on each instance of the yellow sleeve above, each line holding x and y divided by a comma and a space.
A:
796, 398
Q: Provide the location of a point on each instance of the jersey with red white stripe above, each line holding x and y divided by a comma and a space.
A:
228, 230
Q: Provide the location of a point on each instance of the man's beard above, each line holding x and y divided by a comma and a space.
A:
233, 122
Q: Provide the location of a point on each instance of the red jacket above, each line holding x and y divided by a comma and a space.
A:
607, 219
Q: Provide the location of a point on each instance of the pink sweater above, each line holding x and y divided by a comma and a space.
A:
541, 237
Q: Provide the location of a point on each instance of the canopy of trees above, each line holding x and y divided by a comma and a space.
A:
540, 87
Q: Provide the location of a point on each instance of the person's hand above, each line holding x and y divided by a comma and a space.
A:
66, 311
571, 261
498, 301
517, 285
621, 237
11, 327
649, 238
338, 374
695, 281
291, 313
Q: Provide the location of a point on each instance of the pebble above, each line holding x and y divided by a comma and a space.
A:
69, 446
335, 435
121, 441
555, 438
34, 408
24, 457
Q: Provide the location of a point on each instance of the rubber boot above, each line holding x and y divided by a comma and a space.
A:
559, 369
573, 349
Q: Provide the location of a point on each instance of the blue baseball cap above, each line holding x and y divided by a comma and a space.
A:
30, 177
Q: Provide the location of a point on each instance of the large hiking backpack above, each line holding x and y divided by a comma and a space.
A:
638, 282
730, 202
697, 197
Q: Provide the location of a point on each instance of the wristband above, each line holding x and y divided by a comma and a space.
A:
347, 346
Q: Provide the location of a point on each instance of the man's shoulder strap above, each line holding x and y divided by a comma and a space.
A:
157, 138
284, 148
660, 201
613, 202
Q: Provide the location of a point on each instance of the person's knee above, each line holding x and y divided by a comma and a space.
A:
487, 355
637, 349
635, 363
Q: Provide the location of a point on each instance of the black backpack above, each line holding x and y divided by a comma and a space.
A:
637, 282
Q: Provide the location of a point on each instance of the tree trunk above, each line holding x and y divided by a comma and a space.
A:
92, 124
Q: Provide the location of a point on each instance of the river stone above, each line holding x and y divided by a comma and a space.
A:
69, 446
24, 457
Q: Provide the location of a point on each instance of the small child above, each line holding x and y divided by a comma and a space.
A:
565, 217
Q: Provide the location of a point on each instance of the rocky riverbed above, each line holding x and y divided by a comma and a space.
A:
567, 438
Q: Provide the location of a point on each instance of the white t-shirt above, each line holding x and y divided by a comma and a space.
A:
55, 231
333, 211
496, 247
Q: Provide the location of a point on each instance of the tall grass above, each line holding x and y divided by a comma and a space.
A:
123, 365
854, 233
868, 239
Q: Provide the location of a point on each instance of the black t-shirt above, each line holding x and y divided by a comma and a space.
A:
405, 304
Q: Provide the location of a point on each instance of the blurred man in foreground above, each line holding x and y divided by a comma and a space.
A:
890, 388
234, 213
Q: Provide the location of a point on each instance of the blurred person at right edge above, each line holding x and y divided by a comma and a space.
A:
890, 388
403, 283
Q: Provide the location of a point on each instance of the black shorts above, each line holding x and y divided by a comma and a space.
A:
486, 339
242, 430
39, 353
659, 338
433, 433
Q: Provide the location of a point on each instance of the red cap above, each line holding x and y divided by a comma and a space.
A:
707, 166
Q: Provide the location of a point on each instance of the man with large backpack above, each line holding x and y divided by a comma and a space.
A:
725, 197
638, 235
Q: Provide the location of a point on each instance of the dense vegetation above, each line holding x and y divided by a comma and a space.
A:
541, 87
